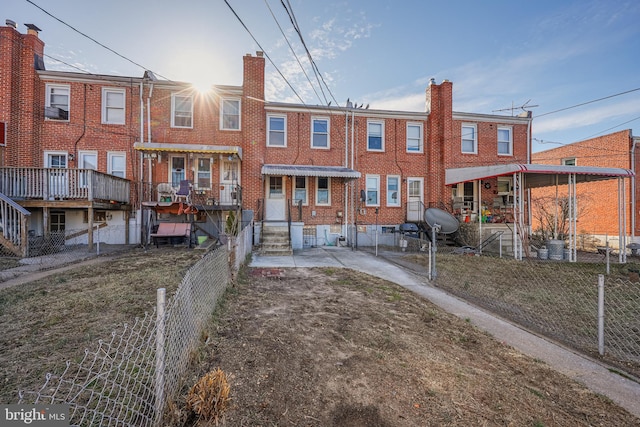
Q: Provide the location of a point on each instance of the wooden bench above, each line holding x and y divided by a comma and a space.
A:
170, 230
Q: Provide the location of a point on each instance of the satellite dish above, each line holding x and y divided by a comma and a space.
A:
441, 220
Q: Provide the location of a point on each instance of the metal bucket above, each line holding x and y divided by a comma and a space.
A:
556, 249
543, 253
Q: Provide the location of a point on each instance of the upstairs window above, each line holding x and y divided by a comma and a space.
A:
57, 102
569, 161
505, 141
113, 101
414, 138
230, 114
375, 132
320, 133
181, 111
277, 131
469, 139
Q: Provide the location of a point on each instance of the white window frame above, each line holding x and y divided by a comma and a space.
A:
305, 201
328, 190
174, 112
314, 133
375, 122
284, 130
390, 192
372, 188
205, 174
111, 155
465, 138
224, 123
569, 161
508, 143
176, 183
49, 92
420, 138
106, 108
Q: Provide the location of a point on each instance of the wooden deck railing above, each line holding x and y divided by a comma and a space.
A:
62, 184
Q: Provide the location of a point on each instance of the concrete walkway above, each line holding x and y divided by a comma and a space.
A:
595, 376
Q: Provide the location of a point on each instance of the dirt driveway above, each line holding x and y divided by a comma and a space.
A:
334, 347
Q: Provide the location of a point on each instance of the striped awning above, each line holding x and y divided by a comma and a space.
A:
188, 148
310, 170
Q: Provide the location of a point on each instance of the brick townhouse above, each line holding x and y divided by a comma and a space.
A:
123, 154
597, 202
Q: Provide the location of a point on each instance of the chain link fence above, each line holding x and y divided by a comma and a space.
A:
130, 378
555, 298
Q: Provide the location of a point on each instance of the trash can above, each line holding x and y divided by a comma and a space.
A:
543, 253
556, 249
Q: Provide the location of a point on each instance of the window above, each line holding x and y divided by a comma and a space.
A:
116, 164
393, 191
571, 161
57, 102
320, 133
181, 111
3, 133
275, 187
322, 191
113, 106
373, 189
469, 139
230, 114
57, 222
375, 140
87, 160
277, 131
177, 171
414, 137
229, 170
504, 186
505, 142
300, 190
203, 174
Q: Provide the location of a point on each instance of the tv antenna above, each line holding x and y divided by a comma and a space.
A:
523, 107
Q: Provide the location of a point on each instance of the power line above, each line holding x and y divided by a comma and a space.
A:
265, 53
589, 102
93, 40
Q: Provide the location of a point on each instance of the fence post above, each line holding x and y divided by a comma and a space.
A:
159, 381
606, 251
601, 314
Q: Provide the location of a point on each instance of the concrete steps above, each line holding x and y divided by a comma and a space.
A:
275, 240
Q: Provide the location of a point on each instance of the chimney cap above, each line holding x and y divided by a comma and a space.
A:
32, 27
259, 53
11, 23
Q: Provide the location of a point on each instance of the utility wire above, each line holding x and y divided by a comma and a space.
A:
265, 53
94, 40
588, 102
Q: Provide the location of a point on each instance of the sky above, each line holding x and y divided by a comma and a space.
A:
581, 57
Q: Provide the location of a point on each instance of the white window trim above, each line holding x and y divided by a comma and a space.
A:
382, 144
366, 183
510, 129
84, 175
421, 143
222, 100
475, 138
328, 133
106, 90
197, 172
173, 110
328, 191
306, 187
110, 156
399, 203
279, 116
565, 159
47, 101
55, 153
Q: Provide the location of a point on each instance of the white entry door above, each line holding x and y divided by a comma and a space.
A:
415, 200
275, 201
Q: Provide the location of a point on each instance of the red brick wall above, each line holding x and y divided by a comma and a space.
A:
597, 201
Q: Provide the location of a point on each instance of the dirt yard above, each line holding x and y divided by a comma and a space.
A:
333, 347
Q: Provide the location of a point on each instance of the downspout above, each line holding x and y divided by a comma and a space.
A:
141, 185
354, 242
633, 190
347, 183
149, 127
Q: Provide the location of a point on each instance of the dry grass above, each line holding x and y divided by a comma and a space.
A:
49, 321
209, 397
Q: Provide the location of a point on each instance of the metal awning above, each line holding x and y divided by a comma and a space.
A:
310, 170
188, 148
536, 175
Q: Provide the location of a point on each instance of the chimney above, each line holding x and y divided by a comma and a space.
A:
11, 24
32, 29
259, 53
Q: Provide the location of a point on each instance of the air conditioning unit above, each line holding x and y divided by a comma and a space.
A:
56, 113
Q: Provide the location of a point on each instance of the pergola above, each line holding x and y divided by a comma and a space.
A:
527, 176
